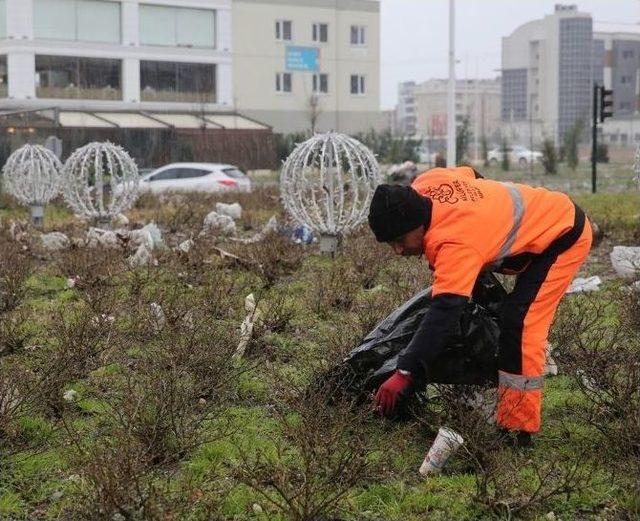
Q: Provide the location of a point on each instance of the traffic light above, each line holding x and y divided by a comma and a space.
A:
606, 101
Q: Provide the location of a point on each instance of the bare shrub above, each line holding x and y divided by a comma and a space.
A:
317, 458
163, 403
19, 395
118, 483
366, 256
15, 268
96, 274
272, 258
603, 361
76, 345
333, 288
509, 482
14, 332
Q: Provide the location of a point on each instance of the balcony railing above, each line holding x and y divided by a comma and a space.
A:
107, 93
178, 97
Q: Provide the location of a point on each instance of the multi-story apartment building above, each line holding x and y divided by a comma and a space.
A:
308, 64
547, 75
406, 108
116, 54
478, 101
616, 65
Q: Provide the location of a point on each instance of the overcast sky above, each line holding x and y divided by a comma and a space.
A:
415, 35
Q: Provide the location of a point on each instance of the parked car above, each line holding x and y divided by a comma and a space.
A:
517, 154
194, 177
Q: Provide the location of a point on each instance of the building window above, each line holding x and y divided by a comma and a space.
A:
64, 77
177, 26
283, 30
320, 33
358, 35
625, 105
178, 82
321, 83
4, 85
625, 79
623, 138
283, 82
357, 84
627, 54
95, 21
613, 138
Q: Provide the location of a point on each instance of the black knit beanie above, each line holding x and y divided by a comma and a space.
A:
396, 210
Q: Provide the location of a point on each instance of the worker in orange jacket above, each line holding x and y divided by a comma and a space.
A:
464, 224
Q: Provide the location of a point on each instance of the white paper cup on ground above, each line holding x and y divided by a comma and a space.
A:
446, 443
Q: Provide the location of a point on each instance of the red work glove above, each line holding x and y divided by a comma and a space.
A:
388, 393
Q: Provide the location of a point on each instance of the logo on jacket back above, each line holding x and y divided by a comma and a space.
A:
454, 192
442, 194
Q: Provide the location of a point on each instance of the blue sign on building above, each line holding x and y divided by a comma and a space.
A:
302, 58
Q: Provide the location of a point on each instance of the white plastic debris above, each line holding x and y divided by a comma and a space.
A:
232, 210
17, 231
71, 395
219, 224
246, 328
581, 284
141, 237
71, 282
550, 366
54, 241
103, 318
104, 238
121, 221
486, 406
588, 382
446, 443
158, 316
626, 260
185, 246
141, 257
149, 236
156, 235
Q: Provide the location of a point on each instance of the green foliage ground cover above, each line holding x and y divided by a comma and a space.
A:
165, 425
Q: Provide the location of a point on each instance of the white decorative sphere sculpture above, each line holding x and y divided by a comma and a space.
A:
99, 181
32, 175
327, 184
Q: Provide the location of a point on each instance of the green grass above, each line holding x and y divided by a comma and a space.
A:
41, 455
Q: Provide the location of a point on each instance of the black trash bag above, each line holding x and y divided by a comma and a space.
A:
469, 357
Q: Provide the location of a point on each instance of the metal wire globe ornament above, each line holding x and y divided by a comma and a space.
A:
327, 184
100, 181
32, 175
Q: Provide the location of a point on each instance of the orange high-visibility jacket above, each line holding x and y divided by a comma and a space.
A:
477, 223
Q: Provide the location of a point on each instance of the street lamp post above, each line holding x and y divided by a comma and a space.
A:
451, 93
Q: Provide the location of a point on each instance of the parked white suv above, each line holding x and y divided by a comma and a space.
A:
194, 177
517, 154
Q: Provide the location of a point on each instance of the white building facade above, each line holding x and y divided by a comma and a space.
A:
302, 65
116, 55
617, 67
477, 101
406, 108
547, 76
